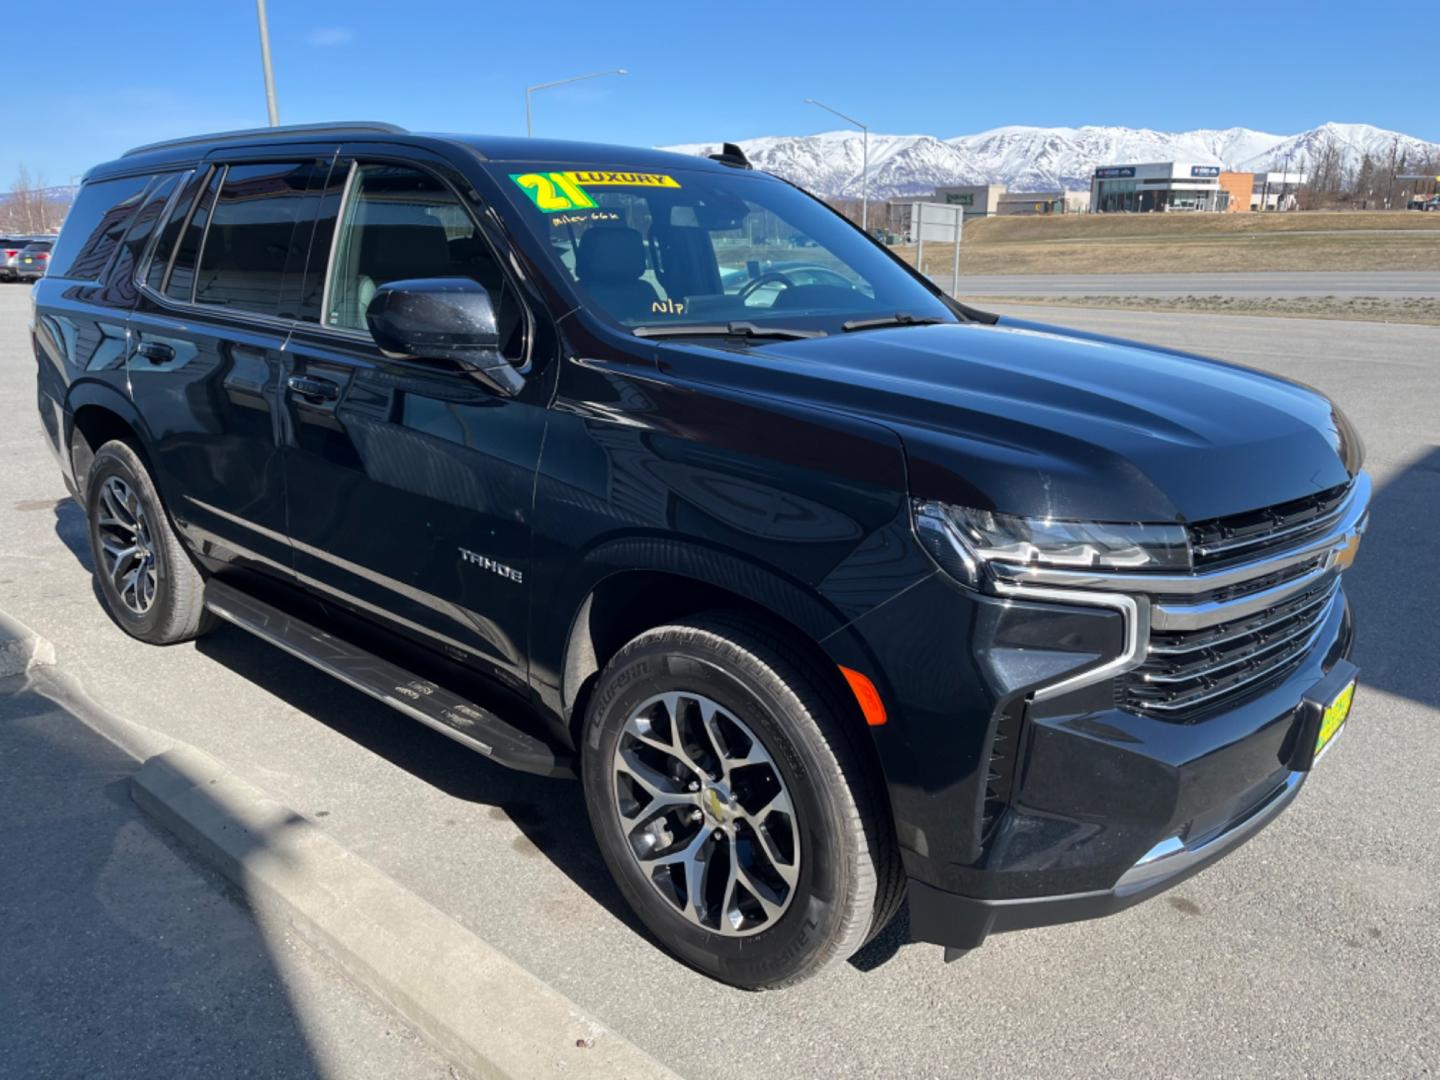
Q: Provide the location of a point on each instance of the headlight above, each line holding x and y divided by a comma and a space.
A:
962, 540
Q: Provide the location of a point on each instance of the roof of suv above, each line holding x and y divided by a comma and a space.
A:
488, 147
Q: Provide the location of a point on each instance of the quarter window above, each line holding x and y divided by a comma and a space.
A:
258, 236
181, 285
401, 223
94, 227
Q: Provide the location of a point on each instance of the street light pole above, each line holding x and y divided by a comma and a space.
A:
271, 107
864, 162
529, 125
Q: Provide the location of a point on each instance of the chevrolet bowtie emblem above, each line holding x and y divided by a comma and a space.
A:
1344, 556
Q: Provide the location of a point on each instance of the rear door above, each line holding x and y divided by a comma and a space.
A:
410, 484
206, 338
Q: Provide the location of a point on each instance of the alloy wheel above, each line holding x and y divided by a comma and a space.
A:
127, 552
706, 814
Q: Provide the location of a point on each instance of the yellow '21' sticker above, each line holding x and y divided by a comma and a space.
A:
553, 192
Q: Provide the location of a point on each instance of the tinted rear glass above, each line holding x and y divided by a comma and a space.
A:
174, 222
181, 285
94, 227
259, 227
120, 281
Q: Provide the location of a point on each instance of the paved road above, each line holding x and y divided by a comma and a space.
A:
1315, 950
1276, 284
125, 958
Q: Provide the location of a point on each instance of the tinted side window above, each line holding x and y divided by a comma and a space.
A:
403, 223
120, 282
181, 285
94, 226
170, 232
326, 218
259, 232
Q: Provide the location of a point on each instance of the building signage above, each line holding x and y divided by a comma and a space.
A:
1204, 170
965, 199
1113, 171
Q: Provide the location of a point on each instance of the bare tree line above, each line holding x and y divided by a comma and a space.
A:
1371, 184
30, 208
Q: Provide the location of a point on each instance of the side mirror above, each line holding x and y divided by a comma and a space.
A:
442, 319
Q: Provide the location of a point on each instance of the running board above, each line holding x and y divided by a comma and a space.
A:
426, 701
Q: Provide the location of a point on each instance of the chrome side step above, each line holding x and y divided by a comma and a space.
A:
426, 701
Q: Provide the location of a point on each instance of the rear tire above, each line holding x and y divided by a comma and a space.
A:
681, 707
151, 587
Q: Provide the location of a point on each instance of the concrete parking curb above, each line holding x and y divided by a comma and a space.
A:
489, 1015
21, 649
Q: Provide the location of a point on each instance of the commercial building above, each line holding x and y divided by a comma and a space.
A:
1238, 187
1275, 190
990, 200
977, 200
1164, 186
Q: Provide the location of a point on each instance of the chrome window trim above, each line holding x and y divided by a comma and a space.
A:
340, 214
1329, 544
142, 270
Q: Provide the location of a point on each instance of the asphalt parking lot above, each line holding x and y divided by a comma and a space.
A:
1314, 950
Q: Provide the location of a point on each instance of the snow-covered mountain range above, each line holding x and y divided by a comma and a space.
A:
1046, 159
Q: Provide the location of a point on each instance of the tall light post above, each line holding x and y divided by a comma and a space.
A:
271, 107
865, 160
529, 126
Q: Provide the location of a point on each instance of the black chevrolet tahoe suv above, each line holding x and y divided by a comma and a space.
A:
655, 471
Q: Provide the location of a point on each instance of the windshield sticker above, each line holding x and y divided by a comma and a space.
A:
592, 218
553, 192
667, 307
623, 179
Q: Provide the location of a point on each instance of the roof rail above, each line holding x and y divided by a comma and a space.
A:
354, 127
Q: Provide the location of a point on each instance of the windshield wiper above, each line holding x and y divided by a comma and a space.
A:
730, 329
900, 318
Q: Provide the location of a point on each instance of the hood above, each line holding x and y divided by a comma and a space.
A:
1033, 420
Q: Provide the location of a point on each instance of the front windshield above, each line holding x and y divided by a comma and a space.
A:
702, 247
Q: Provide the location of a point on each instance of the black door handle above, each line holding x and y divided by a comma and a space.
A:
313, 389
157, 352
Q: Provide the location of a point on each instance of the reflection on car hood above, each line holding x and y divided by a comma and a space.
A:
1036, 420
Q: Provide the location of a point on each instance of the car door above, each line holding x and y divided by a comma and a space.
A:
213, 313
409, 483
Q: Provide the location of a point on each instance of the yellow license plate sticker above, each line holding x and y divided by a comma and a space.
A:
1335, 715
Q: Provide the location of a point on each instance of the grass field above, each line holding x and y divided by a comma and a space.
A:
1179, 243
1422, 310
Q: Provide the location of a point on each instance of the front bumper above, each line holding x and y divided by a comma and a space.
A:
1030, 785
1130, 813
963, 922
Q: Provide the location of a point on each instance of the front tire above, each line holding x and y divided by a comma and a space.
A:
151, 587
740, 816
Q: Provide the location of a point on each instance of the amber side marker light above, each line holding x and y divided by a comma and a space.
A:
867, 696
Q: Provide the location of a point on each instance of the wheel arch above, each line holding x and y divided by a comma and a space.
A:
96, 414
626, 600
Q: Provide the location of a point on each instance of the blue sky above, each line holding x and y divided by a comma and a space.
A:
121, 72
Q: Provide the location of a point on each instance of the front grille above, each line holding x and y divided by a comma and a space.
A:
1257, 533
1187, 673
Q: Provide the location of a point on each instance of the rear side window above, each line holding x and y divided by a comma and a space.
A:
259, 235
179, 213
181, 284
94, 226
120, 281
